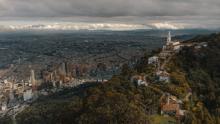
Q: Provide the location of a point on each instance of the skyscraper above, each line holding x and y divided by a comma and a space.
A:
32, 79
11, 94
63, 69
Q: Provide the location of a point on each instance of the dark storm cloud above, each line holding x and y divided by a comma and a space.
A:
197, 13
109, 8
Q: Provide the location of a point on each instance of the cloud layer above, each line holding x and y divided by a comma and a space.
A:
192, 12
74, 26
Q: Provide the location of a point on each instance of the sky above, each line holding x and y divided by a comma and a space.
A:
109, 14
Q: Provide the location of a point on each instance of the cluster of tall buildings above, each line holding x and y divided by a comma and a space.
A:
14, 92
65, 72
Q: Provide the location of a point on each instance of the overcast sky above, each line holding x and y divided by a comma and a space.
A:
147, 13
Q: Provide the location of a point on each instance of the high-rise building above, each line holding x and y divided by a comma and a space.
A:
4, 106
51, 77
32, 80
11, 94
63, 69
27, 95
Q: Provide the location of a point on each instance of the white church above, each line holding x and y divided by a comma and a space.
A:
169, 47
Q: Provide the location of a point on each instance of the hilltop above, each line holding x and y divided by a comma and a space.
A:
198, 66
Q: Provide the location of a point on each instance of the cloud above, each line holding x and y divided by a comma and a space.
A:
117, 11
75, 26
109, 8
167, 25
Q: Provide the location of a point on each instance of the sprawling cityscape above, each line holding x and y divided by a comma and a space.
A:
109, 62
21, 85
48, 66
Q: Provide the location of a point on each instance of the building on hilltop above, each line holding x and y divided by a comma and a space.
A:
27, 95
171, 106
139, 80
201, 45
170, 47
163, 76
4, 106
153, 60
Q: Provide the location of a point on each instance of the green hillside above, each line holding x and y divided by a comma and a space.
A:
200, 69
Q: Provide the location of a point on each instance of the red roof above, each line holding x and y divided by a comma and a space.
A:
170, 107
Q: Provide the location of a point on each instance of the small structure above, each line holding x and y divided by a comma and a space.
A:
139, 80
4, 106
171, 106
200, 45
27, 95
176, 43
153, 60
204, 44
177, 48
61, 83
142, 82
163, 76
5, 81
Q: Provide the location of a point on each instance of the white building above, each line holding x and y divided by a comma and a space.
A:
139, 80
142, 82
27, 95
163, 76
4, 106
177, 48
176, 43
5, 81
170, 47
200, 45
32, 78
153, 60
